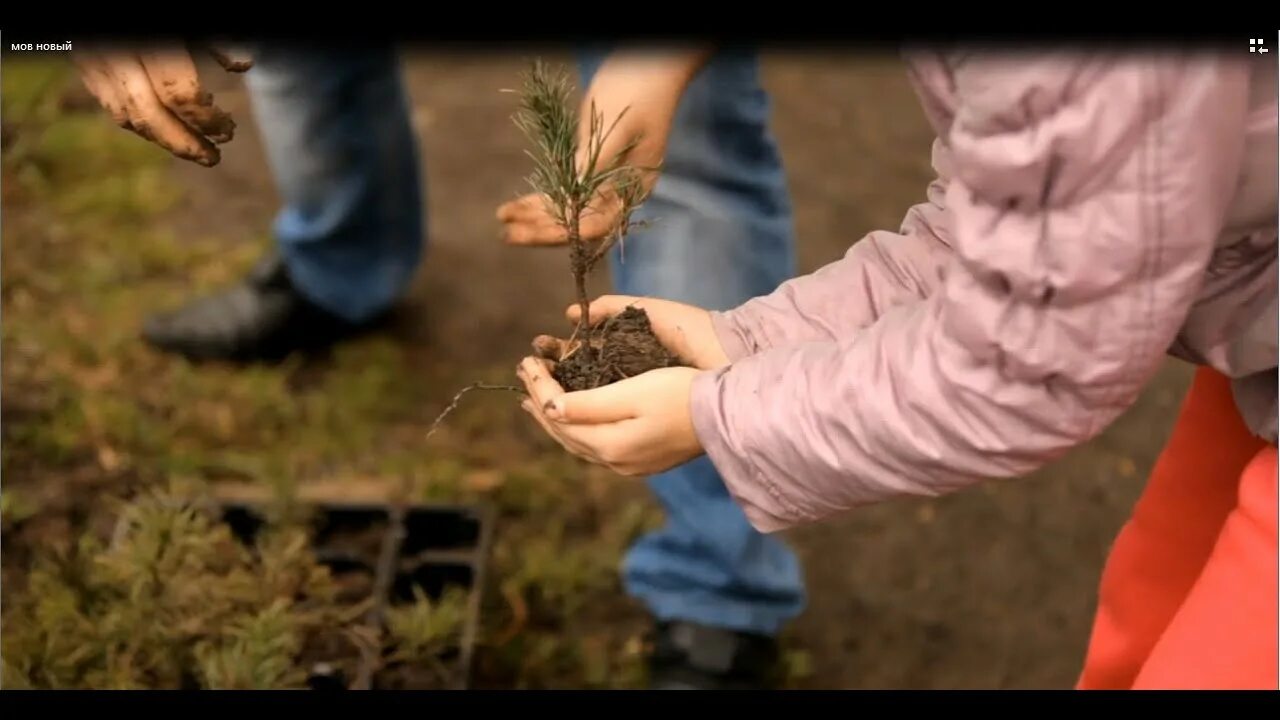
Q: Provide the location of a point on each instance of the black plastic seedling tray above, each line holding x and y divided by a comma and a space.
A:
443, 546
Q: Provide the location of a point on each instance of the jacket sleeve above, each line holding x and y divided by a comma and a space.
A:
1084, 206
881, 271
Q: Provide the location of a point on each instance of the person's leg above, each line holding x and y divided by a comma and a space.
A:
1163, 548
720, 234
337, 132
1223, 636
335, 125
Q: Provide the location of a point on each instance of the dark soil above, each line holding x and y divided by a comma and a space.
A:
621, 347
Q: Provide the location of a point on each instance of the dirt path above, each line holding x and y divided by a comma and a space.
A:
991, 588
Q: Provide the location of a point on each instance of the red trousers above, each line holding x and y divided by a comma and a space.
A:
1188, 596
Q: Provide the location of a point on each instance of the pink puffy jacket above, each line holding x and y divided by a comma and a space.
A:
1091, 214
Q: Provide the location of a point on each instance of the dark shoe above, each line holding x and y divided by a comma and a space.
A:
685, 656
264, 318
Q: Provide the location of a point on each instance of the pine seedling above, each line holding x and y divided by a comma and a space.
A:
570, 177
172, 600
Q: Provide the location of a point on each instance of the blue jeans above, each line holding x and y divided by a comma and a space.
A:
337, 134
340, 144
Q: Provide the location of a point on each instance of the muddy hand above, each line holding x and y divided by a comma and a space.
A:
231, 58
156, 93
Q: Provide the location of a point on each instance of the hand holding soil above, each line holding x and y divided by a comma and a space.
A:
684, 331
625, 405
157, 95
638, 426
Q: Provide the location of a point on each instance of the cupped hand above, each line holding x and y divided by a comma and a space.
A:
638, 426
685, 330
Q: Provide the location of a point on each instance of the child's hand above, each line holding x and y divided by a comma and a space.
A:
638, 426
685, 330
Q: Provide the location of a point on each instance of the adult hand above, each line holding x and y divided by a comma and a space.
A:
642, 91
638, 426
156, 93
685, 330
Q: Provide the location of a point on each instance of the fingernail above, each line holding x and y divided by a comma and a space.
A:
552, 409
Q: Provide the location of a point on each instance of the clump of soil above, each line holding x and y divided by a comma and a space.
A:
621, 347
